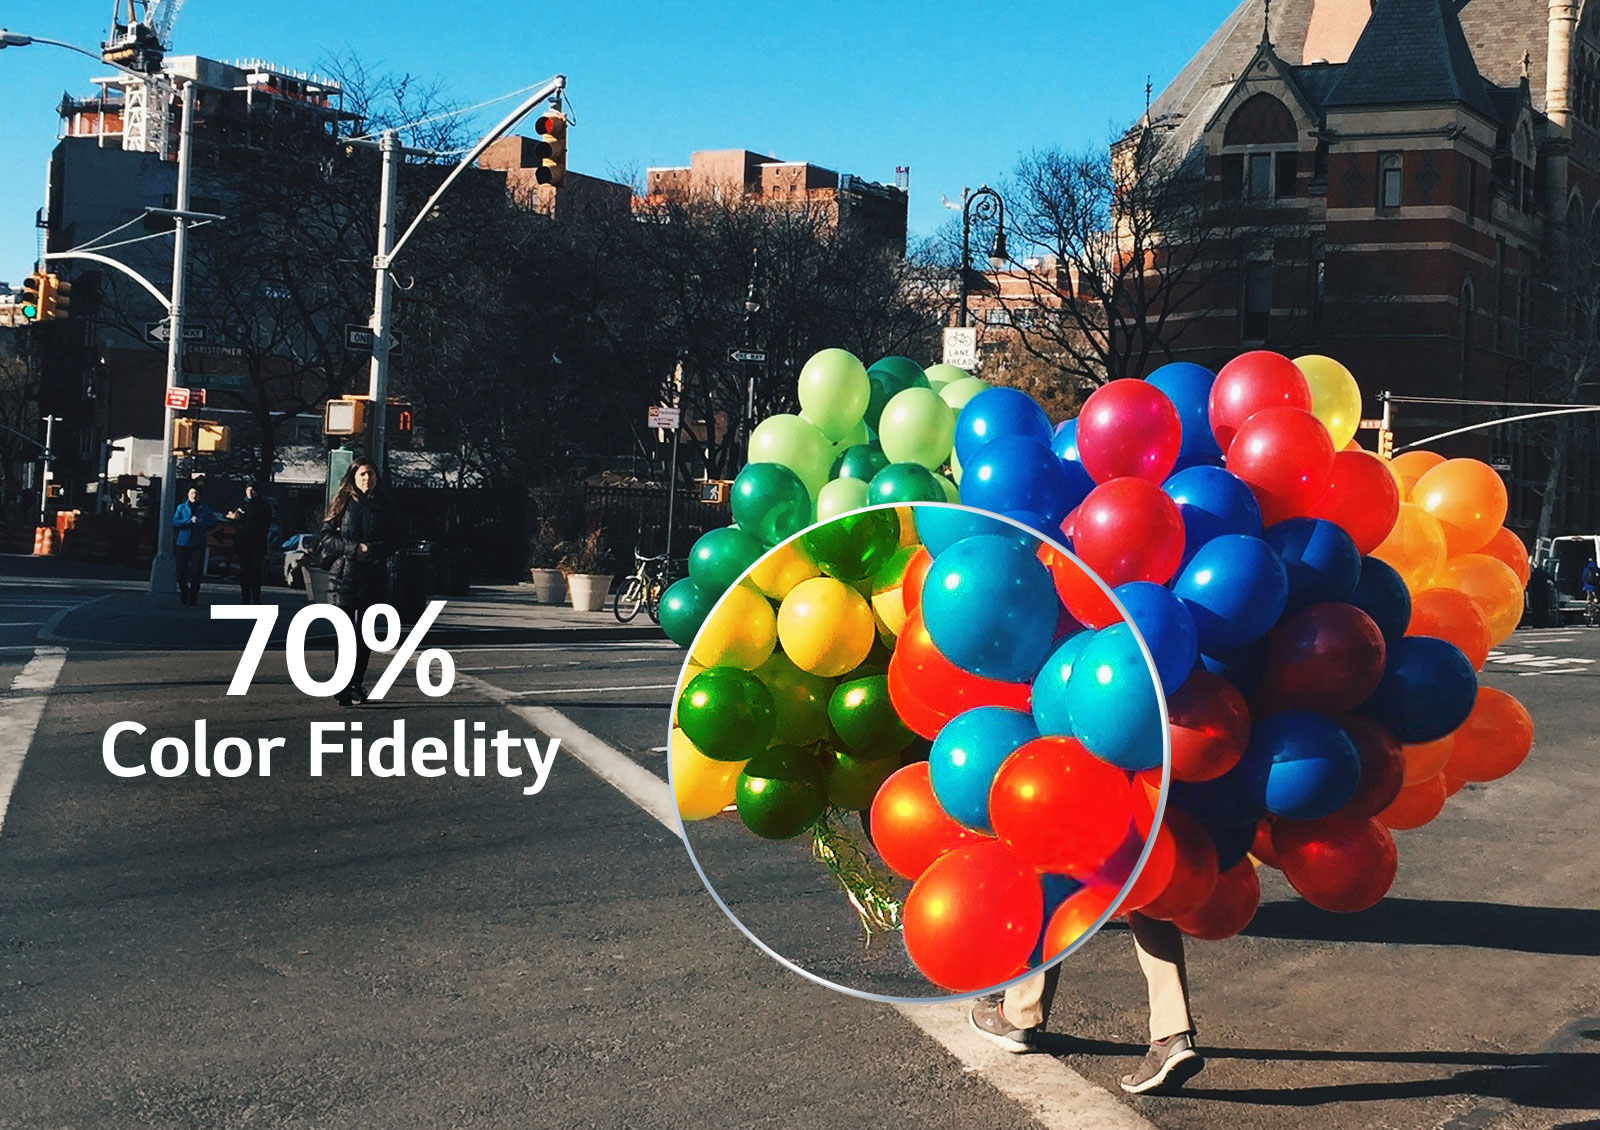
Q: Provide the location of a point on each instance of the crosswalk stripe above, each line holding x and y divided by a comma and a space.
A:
20, 715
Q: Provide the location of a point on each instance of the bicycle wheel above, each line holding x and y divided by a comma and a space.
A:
653, 603
628, 599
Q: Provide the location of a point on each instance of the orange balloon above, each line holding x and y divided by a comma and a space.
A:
1411, 466
1426, 760
1415, 547
1452, 783
1492, 586
1449, 614
1496, 738
1416, 805
1468, 497
1507, 546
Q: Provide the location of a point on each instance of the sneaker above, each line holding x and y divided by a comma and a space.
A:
989, 1022
1168, 1065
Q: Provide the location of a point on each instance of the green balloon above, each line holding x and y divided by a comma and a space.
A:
720, 557
854, 547
957, 393
834, 391
907, 372
840, 497
859, 434
854, 781
727, 713
917, 427
801, 699
941, 375
781, 792
886, 384
683, 609
895, 568
861, 462
797, 445
770, 503
905, 482
865, 720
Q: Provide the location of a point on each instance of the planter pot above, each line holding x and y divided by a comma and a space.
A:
589, 590
549, 586
316, 583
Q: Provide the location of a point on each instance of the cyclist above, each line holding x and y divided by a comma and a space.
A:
1591, 591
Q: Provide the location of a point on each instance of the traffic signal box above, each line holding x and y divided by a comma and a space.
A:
551, 148
1386, 443
351, 416
45, 298
200, 437
32, 288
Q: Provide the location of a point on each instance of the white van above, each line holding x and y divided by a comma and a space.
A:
1562, 560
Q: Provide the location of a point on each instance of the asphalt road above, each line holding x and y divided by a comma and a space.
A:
299, 952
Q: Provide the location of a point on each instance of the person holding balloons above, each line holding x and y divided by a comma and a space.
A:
1014, 1019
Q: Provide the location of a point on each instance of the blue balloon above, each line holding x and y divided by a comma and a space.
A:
967, 754
1167, 628
1428, 689
940, 527
1212, 502
1188, 386
1235, 588
1066, 446
1017, 473
1322, 563
1223, 803
1299, 765
997, 412
1244, 667
1382, 594
1050, 703
1111, 700
1038, 523
989, 605
1232, 844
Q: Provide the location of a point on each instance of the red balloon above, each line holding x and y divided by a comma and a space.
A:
1210, 727
1383, 766
1128, 427
1229, 909
1339, 863
1326, 658
1250, 383
911, 583
1415, 805
1362, 498
1066, 525
927, 690
1152, 880
1129, 530
1083, 598
1194, 872
973, 917
1262, 848
1073, 917
909, 828
1058, 807
1286, 457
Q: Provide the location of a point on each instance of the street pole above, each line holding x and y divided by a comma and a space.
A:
988, 205
164, 570
672, 476
383, 300
49, 457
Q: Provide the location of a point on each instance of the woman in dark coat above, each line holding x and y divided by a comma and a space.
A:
356, 540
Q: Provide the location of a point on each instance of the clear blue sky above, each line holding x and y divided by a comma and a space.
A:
956, 91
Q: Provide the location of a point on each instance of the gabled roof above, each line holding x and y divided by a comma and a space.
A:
1317, 81
1229, 51
1412, 51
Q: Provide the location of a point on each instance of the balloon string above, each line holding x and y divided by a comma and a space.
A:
869, 888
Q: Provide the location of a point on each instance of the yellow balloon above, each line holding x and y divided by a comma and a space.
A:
890, 606
826, 627
908, 526
782, 569
701, 786
740, 632
1415, 547
1335, 396
955, 474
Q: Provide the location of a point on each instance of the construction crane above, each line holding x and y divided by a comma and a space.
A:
141, 33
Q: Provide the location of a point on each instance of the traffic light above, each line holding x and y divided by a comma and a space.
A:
346, 416
32, 291
183, 434
1386, 443
54, 299
399, 418
551, 150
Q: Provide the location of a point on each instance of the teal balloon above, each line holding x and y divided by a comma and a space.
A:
886, 385
855, 546
796, 444
841, 497
917, 427
770, 503
720, 557
905, 482
907, 373
683, 609
862, 461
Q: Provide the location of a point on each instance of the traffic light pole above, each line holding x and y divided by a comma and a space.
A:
49, 457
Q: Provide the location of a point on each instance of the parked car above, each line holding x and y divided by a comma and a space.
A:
284, 560
1562, 560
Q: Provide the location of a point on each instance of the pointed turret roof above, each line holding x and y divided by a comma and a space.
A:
1412, 51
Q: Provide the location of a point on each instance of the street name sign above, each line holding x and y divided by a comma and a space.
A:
360, 337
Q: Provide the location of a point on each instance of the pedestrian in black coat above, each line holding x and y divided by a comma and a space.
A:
251, 519
355, 543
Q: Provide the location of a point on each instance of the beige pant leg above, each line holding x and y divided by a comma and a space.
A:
1160, 948
1027, 1003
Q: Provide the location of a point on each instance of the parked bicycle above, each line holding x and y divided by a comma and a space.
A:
651, 576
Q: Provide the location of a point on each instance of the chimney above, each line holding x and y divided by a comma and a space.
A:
1558, 65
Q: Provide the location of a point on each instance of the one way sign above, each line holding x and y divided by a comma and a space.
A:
161, 332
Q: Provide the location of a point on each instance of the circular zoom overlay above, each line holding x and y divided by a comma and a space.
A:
918, 751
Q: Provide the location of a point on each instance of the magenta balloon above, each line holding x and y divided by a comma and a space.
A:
1128, 428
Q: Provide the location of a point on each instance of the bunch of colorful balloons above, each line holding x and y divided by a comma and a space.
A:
812, 679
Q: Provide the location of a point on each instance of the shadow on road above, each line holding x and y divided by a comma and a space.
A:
1424, 922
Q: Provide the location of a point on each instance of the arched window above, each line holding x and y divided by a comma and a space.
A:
1390, 181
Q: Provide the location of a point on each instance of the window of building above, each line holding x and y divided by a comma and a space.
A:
1286, 173
1389, 180
1255, 309
1319, 277
1233, 175
1469, 302
996, 316
1259, 184
1472, 190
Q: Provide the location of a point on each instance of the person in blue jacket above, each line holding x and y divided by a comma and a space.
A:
192, 521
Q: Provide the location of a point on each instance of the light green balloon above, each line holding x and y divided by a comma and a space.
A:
952, 493
941, 375
857, 436
955, 467
840, 497
917, 427
834, 391
957, 393
797, 445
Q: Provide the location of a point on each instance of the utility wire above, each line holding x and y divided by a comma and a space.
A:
455, 113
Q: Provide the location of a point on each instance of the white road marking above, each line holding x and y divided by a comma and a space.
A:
1056, 1096
19, 716
596, 690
